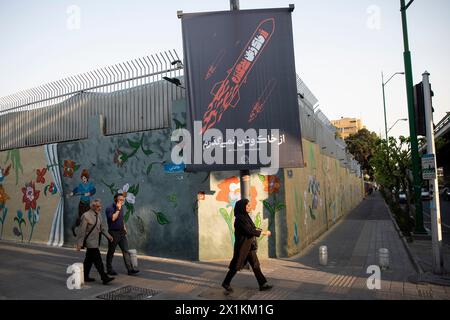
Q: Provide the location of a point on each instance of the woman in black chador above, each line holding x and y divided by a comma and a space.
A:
245, 246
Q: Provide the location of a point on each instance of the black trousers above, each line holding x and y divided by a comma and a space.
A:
93, 257
252, 259
119, 238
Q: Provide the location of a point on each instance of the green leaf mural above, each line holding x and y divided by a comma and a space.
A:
20, 220
161, 218
14, 157
228, 217
4, 211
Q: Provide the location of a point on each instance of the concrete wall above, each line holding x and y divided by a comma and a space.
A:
178, 215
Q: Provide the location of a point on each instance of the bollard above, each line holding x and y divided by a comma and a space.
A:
323, 255
383, 258
133, 256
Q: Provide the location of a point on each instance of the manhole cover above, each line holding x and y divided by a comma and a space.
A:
129, 293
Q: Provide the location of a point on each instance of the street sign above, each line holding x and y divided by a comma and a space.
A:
428, 167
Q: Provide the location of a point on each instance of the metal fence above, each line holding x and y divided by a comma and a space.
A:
131, 96
317, 128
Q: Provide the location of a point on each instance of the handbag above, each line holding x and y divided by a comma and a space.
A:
87, 236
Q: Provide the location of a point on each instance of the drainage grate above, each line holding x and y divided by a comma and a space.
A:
129, 293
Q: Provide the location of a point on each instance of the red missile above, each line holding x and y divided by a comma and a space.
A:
226, 92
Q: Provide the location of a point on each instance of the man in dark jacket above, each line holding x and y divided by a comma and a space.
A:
245, 246
117, 229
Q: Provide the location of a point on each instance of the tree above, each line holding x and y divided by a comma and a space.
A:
362, 146
392, 164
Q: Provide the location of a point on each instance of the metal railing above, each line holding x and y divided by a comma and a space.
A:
131, 96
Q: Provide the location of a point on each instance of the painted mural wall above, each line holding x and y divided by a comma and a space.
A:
161, 206
169, 213
317, 196
30, 201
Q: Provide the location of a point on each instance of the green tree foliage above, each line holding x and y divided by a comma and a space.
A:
391, 162
362, 146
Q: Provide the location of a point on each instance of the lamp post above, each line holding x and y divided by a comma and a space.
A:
412, 126
383, 84
396, 123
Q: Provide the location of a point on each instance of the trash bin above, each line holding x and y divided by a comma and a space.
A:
133, 256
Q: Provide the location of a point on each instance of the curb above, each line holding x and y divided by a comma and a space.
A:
411, 255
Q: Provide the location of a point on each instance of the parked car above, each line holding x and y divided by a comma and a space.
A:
402, 197
426, 195
445, 193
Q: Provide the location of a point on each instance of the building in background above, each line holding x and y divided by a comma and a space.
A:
347, 126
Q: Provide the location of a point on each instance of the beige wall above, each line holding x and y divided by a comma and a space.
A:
23, 165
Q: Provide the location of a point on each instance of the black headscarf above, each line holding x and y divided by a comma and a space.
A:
241, 214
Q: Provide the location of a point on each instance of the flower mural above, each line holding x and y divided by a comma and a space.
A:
272, 186
30, 196
230, 193
70, 167
40, 175
3, 197
4, 173
20, 220
122, 156
51, 188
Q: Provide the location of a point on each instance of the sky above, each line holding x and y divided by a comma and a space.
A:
341, 47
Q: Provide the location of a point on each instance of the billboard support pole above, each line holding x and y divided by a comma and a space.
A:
244, 175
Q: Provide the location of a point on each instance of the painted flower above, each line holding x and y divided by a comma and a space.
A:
30, 195
69, 168
201, 196
230, 192
4, 173
41, 175
52, 188
119, 158
129, 197
3, 196
272, 184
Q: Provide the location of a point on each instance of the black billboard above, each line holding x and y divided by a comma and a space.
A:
240, 74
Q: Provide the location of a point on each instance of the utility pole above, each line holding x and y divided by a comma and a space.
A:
435, 210
412, 126
244, 175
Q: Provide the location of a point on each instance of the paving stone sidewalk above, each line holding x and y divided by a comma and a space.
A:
38, 272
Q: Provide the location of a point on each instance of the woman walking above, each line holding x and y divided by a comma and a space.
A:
245, 246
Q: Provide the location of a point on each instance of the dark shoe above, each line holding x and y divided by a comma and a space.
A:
107, 279
132, 272
87, 279
227, 287
112, 273
73, 232
265, 287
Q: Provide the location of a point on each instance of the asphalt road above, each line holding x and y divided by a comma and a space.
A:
445, 218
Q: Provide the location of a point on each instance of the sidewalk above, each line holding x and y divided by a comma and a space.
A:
38, 272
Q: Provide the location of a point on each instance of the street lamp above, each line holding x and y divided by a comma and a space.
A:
383, 84
396, 123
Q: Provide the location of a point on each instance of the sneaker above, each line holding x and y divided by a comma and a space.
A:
107, 279
112, 273
88, 279
227, 287
132, 272
265, 287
